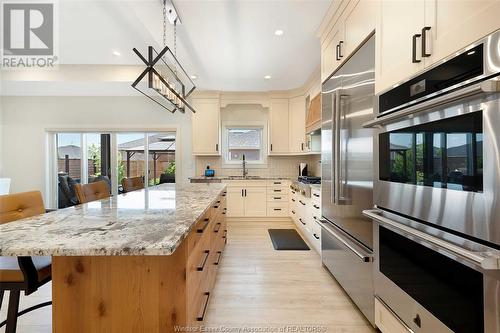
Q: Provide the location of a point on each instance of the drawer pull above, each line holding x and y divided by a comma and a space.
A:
300, 219
314, 217
293, 200
204, 262
277, 198
201, 315
277, 209
219, 254
316, 206
224, 213
201, 230
303, 203
217, 225
316, 236
277, 190
216, 206
225, 234
277, 183
316, 195
293, 212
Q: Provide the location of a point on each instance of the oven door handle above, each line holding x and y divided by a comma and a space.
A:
362, 255
481, 259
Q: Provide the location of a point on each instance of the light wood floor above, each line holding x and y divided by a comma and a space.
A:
257, 287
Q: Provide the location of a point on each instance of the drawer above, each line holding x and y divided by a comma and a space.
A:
386, 321
278, 183
316, 194
277, 209
277, 190
197, 302
277, 198
246, 183
200, 233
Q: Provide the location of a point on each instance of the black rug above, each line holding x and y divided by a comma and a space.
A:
287, 239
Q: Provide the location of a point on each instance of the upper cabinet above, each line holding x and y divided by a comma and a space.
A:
278, 126
206, 126
354, 21
415, 34
297, 132
397, 40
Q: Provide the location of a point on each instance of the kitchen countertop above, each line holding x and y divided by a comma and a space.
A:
151, 221
315, 186
229, 178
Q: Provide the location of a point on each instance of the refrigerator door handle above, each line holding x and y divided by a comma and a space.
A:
342, 178
363, 255
332, 175
336, 147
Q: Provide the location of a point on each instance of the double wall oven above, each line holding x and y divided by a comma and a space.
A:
437, 195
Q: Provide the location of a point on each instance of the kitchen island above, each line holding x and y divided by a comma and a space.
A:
143, 261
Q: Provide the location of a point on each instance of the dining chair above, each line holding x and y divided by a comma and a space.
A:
132, 184
93, 191
21, 273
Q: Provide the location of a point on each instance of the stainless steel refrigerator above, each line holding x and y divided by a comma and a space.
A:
347, 176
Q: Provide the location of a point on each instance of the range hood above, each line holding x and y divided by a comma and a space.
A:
313, 117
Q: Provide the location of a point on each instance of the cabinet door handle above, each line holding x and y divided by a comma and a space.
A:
277, 209
302, 146
316, 236
242, 192
424, 42
316, 206
293, 212
204, 262
219, 254
216, 147
337, 50
340, 49
201, 315
225, 234
245, 192
217, 225
293, 200
202, 229
303, 203
301, 221
316, 195
271, 147
277, 190
277, 198
414, 51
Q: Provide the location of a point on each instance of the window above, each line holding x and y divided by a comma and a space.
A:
244, 141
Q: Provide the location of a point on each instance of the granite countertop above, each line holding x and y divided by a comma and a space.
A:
151, 221
229, 178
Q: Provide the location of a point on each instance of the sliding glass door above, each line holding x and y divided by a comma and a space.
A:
126, 160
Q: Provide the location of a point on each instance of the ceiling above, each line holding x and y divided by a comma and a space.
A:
230, 45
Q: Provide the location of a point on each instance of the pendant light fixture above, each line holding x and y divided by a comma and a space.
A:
164, 80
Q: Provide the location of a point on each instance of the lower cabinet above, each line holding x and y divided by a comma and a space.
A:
306, 213
205, 246
386, 321
257, 198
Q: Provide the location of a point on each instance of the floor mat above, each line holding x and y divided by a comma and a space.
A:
287, 239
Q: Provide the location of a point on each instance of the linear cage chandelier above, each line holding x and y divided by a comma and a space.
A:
164, 80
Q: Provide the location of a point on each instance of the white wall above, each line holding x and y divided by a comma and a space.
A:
26, 120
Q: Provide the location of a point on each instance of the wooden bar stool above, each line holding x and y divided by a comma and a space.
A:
93, 191
132, 184
21, 273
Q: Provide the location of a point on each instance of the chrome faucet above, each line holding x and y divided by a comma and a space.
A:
245, 171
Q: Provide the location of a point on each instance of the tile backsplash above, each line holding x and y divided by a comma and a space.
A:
277, 166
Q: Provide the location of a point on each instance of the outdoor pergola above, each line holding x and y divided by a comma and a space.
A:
164, 147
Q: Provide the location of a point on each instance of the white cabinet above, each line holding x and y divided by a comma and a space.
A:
297, 116
399, 22
278, 126
235, 201
386, 322
206, 126
255, 201
306, 213
456, 24
415, 34
330, 58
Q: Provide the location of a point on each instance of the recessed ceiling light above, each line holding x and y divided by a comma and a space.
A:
116, 53
279, 32
194, 77
267, 77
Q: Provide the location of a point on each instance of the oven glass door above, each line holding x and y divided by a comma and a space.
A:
447, 154
451, 291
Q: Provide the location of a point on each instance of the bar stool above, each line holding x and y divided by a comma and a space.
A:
93, 191
22, 273
132, 184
